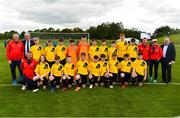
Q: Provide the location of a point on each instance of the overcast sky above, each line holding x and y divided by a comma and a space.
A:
145, 15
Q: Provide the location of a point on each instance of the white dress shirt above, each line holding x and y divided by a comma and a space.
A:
165, 50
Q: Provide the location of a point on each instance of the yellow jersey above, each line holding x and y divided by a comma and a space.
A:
140, 66
103, 50
49, 52
69, 69
111, 51
125, 66
104, 67
93, 50
95, 68
42, 69
132, 50
113, 66
37, 51
61, 51
82, 67
122, 48
57, 69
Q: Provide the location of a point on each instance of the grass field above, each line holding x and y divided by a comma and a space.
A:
150, 100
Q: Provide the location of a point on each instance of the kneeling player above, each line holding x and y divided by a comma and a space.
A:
125, 70
56, 75
113, 70
69, 70
104, 67
82, 72
42, 71
95, 72
139, 70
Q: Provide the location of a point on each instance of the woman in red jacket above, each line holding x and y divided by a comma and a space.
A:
28, 66
155, 54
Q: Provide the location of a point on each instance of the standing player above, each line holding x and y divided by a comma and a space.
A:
42, 72
122, 47
112, 50
132, 50
113, 69
37, 50
56, 75
49, 53
69, 71
61, 51
104, 67
139, 70
125, 70
83, 47
72, 51
82, 72
95, 72
93, 50
103, 48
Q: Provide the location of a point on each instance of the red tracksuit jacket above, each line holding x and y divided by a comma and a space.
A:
144, 50
15, 50
155, 52
28, 68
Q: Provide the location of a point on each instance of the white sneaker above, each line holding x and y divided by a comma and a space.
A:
23, 87
91, 86
155, 81
35, 90
111, 86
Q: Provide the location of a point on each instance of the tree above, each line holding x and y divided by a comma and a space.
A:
162, 31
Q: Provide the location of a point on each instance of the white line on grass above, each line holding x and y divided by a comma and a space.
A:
6, 85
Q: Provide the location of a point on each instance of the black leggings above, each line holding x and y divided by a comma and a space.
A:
154, 63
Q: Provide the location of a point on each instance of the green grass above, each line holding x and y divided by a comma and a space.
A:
175, 38
150, 100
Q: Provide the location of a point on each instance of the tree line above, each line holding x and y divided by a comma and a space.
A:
103, 31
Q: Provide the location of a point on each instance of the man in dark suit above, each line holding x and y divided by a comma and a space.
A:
169, 55
28, 43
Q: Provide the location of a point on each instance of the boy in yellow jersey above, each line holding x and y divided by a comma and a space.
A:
69, 71
42, 71
132, 50
94, 76
37, 50
125, 67
61, 51
93, 50
103, 48
139, 70
122, 47
56, 75
49, 53
113, 70
112, 50
82, 72
104, 67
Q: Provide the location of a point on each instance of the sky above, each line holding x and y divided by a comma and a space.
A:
145, 15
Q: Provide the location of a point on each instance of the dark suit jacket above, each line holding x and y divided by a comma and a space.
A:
31, 41
170, 53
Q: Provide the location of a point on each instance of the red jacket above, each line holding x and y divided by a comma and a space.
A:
28, 68
155, 52
15, 50
144, 50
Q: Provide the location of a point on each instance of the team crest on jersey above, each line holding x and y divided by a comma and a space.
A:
52, 49
106, 49
143, 63
125, 43
72, 67
116, 64
46, 66
98, 66
85, 65
97, 49
39, 48
60, 68
135, 49
129, 64
105, 64
63, 49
